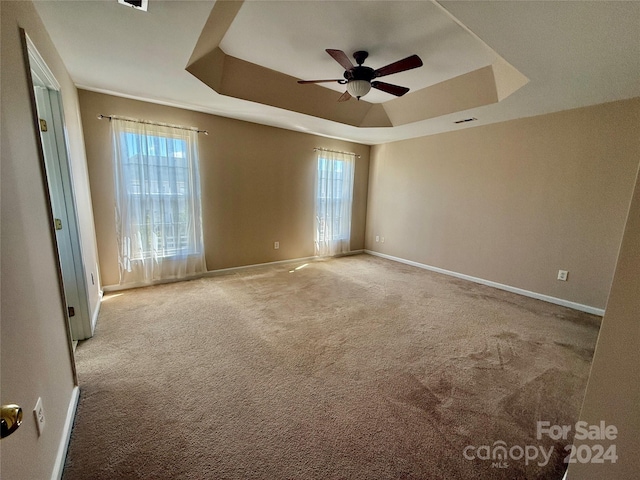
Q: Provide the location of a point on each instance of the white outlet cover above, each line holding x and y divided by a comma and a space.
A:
38, 412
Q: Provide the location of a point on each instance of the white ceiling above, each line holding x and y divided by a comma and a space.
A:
574, 53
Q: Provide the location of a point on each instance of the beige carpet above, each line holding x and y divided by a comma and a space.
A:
350, 368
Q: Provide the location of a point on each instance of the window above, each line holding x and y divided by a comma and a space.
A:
334, 193
157, 201
155, 173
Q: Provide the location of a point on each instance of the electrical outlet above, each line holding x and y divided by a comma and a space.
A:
38, 412
377, 238
382, 239
276, 245
563, 275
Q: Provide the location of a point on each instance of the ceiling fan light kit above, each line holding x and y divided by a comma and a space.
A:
359, 78
358, 88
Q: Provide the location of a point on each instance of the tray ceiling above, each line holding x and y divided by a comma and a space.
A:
460, 71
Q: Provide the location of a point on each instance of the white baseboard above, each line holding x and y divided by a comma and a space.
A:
58, 466
221, 271
508, 288
129, 286
96, 312
352, 252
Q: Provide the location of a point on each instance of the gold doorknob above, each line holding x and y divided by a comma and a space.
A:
11, 419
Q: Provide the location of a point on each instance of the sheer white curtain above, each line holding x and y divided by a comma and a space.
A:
158, 212
334, 196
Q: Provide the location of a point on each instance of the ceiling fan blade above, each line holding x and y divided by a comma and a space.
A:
344, 97
340, 57
400, 66
396, 90
321, 81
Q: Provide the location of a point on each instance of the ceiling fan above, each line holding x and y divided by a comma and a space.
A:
360, 79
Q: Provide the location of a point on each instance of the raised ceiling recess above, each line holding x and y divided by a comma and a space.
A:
246, 49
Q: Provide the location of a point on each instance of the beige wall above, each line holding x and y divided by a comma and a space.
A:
257, 184
613, 392
513, 202
36, 360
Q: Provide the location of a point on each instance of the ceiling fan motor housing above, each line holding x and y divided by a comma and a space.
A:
359, 73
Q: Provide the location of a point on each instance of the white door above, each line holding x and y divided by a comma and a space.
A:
62, 200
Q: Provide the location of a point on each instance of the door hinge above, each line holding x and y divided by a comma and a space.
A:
72, 312
58, 223
43, 125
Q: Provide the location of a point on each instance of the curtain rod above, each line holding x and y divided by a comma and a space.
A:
100, 117
336, 151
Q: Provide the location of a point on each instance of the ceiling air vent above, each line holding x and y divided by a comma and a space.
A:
137, 4
473, 119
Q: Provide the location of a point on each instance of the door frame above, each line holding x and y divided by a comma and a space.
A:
78, 327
